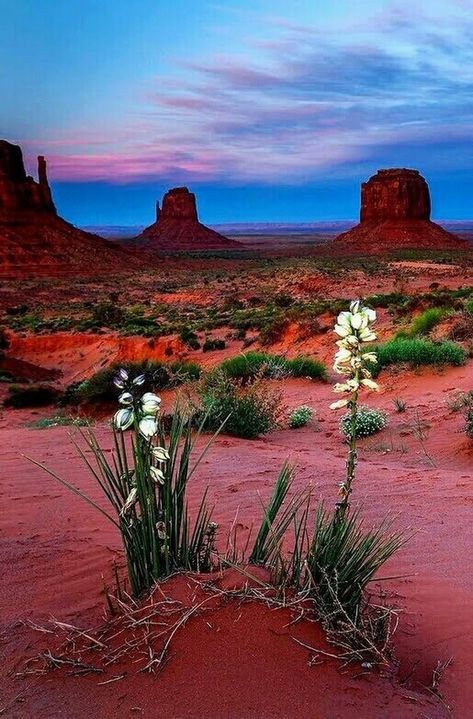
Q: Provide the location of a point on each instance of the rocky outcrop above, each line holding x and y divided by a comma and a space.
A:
177, 226
21, 198
34, 240
395, 213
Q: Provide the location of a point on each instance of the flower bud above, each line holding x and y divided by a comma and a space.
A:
150, 403
123, 419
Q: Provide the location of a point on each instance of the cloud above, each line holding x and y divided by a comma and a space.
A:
304, 105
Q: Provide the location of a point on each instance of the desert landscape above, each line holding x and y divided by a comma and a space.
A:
235, 453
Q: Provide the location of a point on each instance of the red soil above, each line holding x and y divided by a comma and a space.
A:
245, 663
80, 355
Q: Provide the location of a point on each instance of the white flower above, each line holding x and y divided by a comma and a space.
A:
342, 330
157, 475
148, 427
161, 454
123, 373
357, 321
367, 335
338, 405
123, 419
126, 398
370, 357
150, 403
139, 380
354, 306
370, 384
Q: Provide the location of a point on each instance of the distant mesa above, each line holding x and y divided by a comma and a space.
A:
395, 213
34, 240
177, 226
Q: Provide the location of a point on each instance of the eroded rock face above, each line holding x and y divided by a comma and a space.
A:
179, 204
21, 197
394, 194
34, 240
177, 226
395, 213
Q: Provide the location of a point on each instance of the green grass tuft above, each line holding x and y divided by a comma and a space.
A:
416, 352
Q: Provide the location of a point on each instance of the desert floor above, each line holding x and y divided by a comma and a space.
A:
239, 659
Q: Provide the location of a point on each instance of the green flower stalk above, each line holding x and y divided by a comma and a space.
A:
354, 329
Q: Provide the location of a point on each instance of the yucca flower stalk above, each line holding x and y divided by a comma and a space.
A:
354, 328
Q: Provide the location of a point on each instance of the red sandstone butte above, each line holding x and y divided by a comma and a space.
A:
177, 226
34, 240
395, 213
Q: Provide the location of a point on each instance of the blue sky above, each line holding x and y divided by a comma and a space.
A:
269, 110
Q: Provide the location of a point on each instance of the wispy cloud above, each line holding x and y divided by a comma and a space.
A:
312, 104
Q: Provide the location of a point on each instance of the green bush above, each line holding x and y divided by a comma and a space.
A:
213, 344
31, 396
189, 338
247, 366
416, 352
158, 375
306, 367
249, 410
368, 421
300, 416
426, 321
107, 314
250, 365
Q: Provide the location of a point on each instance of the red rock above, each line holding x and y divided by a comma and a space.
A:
177, 226
395, 213
21, 198
34, 240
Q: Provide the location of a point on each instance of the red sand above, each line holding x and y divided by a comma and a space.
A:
245, 664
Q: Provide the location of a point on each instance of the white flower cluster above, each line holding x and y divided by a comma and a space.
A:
354, 329
368, 421
144, 411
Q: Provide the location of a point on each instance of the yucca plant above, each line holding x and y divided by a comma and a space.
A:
145, 480
342, 559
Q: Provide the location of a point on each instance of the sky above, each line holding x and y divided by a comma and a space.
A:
269, 110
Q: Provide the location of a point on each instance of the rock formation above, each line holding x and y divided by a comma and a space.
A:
34, 240
177, 226
21, 198
395, 213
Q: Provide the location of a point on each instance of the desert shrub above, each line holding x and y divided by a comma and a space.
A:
368, 421
300, 416
464, 401
399, 405
189, 338
247, 410
107, 314
416, 352
426, 321
469, 421
60, 421
158, 375
306, 367
212, 343
35, 395
247, 366
342, 559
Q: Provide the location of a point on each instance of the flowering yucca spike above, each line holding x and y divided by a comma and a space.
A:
354, 329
